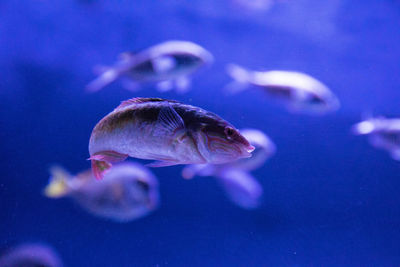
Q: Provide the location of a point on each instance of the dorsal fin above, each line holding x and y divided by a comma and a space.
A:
139, 100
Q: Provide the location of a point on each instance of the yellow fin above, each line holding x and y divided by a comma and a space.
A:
58, 185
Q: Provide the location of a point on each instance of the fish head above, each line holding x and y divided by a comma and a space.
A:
149, 193
374, 125
364, 127
189, 56
192, 60
324, 103
314, 104
264, 149
222, 143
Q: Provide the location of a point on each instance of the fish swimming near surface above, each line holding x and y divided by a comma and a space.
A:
128, 191
234, 177
298, 91
383, 133
31, 255
169, 64
166, 131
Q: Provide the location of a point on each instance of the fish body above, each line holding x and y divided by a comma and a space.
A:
234, 177
169, 64
31, 255
128, 191
383, 133
298, 91
166, 131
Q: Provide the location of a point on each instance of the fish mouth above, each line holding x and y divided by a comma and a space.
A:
246, 153
250, 148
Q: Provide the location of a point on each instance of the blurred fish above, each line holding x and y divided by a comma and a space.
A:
129, 191
30, 255
169, 64
254, 5
166, 131
298, 91
239, 185
383, 133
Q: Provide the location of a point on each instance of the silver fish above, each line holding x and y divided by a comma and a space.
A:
383, 133
31, 255
254, 5
298, 91
128, 191
166, 131
168, 64
239, 185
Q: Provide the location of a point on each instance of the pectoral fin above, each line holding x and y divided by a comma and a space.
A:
169, 123
102, 162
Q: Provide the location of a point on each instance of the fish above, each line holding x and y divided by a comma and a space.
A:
383, 133
166, 131
129, 191
168, 65
297, 91
239, 185
31, 255
254, 5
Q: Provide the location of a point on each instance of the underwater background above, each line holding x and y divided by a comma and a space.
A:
330, 199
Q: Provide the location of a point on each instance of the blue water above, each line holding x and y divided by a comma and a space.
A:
329, 198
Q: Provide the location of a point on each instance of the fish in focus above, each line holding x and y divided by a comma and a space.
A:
239, 185
383, 133
299, 92
169, 65
30, 255
166, 131
128, 191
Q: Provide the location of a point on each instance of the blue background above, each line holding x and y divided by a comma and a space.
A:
330, 199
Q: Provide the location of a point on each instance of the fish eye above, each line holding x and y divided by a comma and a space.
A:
229, 132
143, 185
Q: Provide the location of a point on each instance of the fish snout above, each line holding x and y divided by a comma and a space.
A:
246, 151
250, 148
362, 128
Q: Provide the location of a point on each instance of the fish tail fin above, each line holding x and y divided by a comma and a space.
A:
102, 162
241, 77
58, 184
106, 76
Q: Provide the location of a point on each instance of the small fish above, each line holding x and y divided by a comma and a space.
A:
298, 91
239, 185
31, 255
383, 133
241, 188
254, 5
129, 191
166, 131
168, 64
